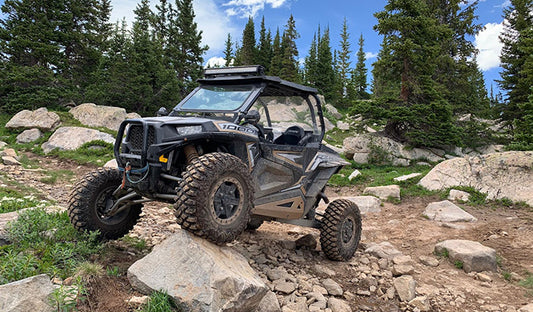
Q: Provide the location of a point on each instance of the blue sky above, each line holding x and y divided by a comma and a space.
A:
217, 18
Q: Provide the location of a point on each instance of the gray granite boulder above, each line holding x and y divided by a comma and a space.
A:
93, 115
72, 138
29, 294
40, 118
473, 255
446, 211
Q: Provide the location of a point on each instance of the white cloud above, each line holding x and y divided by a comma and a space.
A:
489, 46
370, 55
214, 24
505, 4
216, 62
123, 9
247, 8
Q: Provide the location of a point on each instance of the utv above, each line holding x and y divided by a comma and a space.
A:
241, 149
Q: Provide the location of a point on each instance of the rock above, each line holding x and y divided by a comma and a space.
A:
9, 152
383, 250
269, 303
474, 256
284, 287
457, 195
365, 203
30, 135
111, 164
29, 294
5, 218
276, 274
446, 211
499, 175
354, 174
364, 144
307, 241
526, 308
402, 269
321, 269
422, 303
299, 306
384, 192
203, 276
332, 110
338, 305
71, 138
333, 288
3, 144
407, 177
10, 161
40, 118
429, 261
343, 125
138, 300
93, 115
405, 287
483, 277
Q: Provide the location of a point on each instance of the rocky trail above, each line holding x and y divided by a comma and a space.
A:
394, 269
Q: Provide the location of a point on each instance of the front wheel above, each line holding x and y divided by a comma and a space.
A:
341, 230
215, 197
92, 196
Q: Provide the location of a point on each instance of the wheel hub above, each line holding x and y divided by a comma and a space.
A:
347, 230
227, 199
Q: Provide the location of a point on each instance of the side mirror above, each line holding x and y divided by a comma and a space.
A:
162, 112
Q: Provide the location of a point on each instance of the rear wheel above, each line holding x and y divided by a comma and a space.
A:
92, 196
341, 230
215, 197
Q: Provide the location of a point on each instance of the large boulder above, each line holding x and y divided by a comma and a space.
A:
72, 138
93, 115
446, 211
384, 192
30, 294
40, 118
472, 255
199, 274
499, 175
360, 147
29, 135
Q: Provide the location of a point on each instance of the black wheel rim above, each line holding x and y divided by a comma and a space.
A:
227, 200
347, 230
104, 202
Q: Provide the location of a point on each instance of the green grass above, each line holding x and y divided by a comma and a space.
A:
134, 242
458, 264
87, 154
160, 302
337, 136
12, 200
52, 176
527, 283
44, 243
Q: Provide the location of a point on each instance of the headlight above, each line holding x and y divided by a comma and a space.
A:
189, 130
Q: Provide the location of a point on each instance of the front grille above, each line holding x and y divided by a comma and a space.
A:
135, 137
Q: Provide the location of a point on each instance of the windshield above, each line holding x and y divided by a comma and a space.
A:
217, 98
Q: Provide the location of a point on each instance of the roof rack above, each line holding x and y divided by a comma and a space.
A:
255, 70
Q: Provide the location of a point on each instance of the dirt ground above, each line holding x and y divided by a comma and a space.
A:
508, 230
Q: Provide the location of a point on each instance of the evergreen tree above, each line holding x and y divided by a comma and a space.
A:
359, 75
311, 64
516, 58
264, 56
277, 56
247, 54
325, 81
29, 45
190, 46
289, 62
343, 64
419, 115
228, 51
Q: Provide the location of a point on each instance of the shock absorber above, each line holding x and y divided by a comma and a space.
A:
190, 153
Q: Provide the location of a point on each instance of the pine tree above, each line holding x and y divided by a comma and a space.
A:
289, 62
311, 64
343, 64
326, 79
228, 51
359, 76
419, 115
277, 56
247, 54
190, 46
29, 44
264, 56
516, 76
